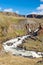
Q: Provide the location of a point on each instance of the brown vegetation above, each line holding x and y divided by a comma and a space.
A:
8, 59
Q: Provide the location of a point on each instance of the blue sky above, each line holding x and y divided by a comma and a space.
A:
22, 6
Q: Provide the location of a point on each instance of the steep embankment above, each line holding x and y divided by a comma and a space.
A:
11, 26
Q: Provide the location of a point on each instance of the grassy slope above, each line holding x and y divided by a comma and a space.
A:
8, 59
7, 21
33, 45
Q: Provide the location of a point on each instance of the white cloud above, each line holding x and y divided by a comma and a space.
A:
8, 10
33, 12
17, 12
41, 0
39, 10
0, 8
40, 7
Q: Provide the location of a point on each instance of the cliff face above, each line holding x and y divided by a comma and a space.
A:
34, 16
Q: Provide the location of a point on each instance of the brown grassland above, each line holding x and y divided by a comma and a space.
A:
6, 23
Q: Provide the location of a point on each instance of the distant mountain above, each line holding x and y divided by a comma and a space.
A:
18, 15
34, 16
11, 14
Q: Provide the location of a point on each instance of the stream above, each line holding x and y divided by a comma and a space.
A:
11, 46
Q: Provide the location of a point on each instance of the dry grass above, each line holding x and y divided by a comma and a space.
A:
0, 47
34, 45
8, 22
12, 32
7, 59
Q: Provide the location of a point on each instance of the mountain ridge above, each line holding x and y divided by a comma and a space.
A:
34, 16
19, 15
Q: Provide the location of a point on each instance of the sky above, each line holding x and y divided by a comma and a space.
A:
22, 7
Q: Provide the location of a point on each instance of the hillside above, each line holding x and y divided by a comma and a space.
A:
13, 26
10, 14
8, 59
8, 24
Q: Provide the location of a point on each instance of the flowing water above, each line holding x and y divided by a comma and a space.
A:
11, 46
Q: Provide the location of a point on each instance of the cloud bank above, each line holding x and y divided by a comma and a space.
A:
39, 10
8, 10
41, 0
40, 7
17, 12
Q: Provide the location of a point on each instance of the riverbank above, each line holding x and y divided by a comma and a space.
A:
12, 46
9, 59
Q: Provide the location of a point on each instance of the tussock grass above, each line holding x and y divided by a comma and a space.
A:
8, 23
8, 59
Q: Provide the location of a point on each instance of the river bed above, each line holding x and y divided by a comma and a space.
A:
11, 46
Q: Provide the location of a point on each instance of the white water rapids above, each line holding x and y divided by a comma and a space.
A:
11, 46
